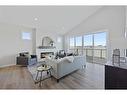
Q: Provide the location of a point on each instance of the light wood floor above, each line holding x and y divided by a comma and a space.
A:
15, 77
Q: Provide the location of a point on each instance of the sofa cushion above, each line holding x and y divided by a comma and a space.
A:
69, 59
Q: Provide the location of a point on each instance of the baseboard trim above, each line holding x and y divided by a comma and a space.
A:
8, 65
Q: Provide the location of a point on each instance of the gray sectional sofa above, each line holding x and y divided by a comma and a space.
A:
64, 67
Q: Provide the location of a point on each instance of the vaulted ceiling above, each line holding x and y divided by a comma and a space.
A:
58, 19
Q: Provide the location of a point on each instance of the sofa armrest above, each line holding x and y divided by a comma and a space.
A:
33, 56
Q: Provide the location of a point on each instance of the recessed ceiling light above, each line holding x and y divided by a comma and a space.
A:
36, 19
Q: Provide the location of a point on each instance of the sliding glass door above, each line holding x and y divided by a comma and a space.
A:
78, 45
72, 44
95, 48
88, 48
99, 49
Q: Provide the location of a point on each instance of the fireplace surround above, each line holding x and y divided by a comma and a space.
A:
46, 49
42, 53
46, 54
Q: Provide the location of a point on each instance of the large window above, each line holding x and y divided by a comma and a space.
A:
78, 41
93, 46
88, 45
100, 45
100, 39
71, 43
78, 45
88, 40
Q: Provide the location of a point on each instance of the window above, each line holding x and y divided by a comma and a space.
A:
88, 45
93, 46
88, 40
59, 39
100, 39
71, 42
78, 41
26, 35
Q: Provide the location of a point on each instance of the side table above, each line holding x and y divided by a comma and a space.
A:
40, 70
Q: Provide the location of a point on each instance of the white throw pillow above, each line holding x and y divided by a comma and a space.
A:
68, 59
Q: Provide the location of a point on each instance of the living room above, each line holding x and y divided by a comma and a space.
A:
60, 47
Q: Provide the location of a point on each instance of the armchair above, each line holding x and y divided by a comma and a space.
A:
25, 59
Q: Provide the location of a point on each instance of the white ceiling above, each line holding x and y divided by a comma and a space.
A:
58, 19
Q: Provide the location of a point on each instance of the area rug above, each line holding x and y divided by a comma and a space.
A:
33, 70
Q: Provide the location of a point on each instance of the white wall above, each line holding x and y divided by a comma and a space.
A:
34, 41
11, 43
109, 18
53, 35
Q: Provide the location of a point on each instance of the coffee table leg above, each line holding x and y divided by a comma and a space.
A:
37, 75
40, 79
50, 72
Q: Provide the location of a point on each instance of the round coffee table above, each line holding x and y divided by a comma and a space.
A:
40, 70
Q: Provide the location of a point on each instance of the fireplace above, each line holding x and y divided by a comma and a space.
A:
46, 54
42, 53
